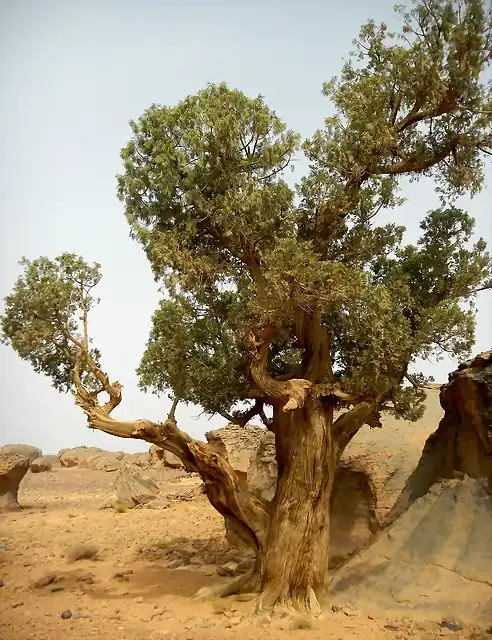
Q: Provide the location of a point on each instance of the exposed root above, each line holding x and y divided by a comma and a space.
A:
302, 600
243, 584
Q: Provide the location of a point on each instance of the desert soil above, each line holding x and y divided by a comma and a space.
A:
137, 588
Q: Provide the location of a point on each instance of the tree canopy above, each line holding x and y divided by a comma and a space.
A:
238, 249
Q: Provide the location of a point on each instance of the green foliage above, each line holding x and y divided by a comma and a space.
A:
238, 250
204, 194
43, 317
203, 180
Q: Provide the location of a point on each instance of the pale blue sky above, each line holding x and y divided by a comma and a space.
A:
73, 73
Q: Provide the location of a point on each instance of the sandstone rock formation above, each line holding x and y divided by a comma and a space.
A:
462, 444
436, 551
133, 488
237, 443
160, 458
436, 556
77, 456
26, 450
44, 463
13, 468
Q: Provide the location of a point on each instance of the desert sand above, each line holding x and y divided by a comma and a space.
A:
148, 565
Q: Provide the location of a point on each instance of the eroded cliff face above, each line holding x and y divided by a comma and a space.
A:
435, 550
462, 443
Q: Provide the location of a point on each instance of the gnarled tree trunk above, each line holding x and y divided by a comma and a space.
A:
294, 562
291, 534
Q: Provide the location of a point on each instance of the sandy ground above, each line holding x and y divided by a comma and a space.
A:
131, 591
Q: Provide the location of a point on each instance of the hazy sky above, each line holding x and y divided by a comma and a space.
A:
73, 73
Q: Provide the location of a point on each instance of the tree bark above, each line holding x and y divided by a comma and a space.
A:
293, 565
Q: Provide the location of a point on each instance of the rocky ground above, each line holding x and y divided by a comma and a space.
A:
72, 566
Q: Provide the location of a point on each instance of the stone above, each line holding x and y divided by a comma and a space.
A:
45, 580
44, 463
65, 615
105, 461
133, 488
159, 457
13, 468
78, 456
26, 450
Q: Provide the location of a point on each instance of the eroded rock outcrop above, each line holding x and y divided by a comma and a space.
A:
462, 444
77, 456
161, 458
239, 444
26, 450
436, 556
435, 551
44, 463
13, 468
133, 487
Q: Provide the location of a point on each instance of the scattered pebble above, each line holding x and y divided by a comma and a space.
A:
88, 578
17, 604
1, 583
138, 600
452, 626
57, 588
65, 615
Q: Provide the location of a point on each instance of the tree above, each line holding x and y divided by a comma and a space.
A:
291, 299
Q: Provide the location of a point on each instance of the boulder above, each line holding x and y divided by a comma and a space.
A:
238, 444
436, 556
44, 463
26, 450
160, 457
133, 488
13, 468
262, 470
137, 459
78, 456
462, 443
104, 461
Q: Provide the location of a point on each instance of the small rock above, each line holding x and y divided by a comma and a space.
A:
233, 622
147, 619
4, 547
222, 572
123, 575
88, 578
1, 583
57, 588
65, 615
452, 626
45, 580
206, 624
350, 612
17, 604
138, 600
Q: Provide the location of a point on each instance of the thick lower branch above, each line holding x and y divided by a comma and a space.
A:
224, 489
